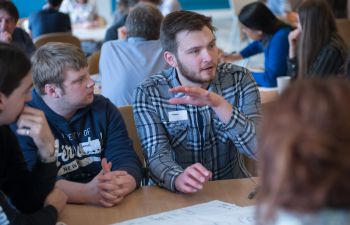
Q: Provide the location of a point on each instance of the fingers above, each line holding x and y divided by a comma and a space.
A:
194, 95
32, 122
106, 167
107, 203
5, 36
192, 179
193, 91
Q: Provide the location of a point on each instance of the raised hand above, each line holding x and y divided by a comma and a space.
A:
293, 40
32, 122
5, 36
195, 96
201, 97
192, 179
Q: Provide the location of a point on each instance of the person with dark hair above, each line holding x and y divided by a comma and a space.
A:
339, 8
316, 49
124, 8
136, 57
197, 119
49, 20
27, 191
304, 160
9, 33
89, 128
270, 36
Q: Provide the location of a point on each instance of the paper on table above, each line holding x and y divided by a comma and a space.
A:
210, 213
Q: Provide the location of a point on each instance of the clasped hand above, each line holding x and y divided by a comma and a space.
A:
111, 186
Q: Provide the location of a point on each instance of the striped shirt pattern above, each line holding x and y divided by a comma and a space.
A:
171, 146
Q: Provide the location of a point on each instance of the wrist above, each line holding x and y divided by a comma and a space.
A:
49, 155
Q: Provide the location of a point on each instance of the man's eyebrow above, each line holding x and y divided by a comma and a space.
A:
78, 78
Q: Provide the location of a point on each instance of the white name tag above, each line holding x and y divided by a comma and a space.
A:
177, 115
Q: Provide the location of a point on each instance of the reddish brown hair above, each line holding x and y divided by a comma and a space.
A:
304, 145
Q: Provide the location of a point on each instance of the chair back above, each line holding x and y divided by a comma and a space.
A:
63, 37
93, 62
343, 26
128, 117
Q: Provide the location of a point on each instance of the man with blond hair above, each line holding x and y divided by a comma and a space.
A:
96, 160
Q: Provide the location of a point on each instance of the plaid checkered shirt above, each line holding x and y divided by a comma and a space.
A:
171, 146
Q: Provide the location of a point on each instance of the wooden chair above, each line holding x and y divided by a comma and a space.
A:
128, 117
343, 26
93, 62
57, 37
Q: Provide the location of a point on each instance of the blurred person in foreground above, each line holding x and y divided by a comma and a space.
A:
304, 143
32, 192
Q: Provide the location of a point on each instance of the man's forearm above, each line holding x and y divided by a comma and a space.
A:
76, 192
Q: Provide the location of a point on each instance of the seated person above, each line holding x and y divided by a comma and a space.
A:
270, 36
82, 14
133, 59
124, 7
197, 119
304, 155
89, 129
31, 193
315, 47
49, 20
9, 33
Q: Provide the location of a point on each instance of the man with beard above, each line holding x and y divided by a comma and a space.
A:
196, 119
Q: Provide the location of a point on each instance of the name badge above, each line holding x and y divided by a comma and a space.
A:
177, 115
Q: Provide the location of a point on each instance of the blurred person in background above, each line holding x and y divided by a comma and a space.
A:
49, 20
9, 33
270, 36
315, 47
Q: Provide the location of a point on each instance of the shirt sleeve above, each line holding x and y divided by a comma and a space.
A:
328, 62
241, 128
9, 215
275, 61
118, 148
252, 49
27, 190
157, 149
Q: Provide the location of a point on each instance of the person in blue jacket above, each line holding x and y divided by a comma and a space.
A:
96, 160
270, 36
49, 20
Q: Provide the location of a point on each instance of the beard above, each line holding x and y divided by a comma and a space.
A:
193, 76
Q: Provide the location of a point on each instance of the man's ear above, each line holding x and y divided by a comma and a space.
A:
51, 90
170, 59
